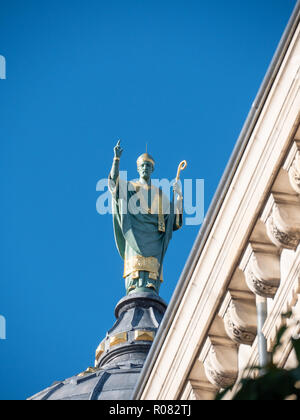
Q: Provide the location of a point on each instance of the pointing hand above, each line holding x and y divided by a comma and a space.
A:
118, 150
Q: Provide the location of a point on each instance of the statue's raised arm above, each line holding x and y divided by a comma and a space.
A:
114, 173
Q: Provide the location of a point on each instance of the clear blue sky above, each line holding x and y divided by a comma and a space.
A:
180, 75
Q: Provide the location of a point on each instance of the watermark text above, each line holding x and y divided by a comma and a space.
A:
2, 328
132, 199
2, 67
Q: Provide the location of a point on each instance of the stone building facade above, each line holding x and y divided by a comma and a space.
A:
243, 272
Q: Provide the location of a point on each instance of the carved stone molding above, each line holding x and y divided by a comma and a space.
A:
239, 316
261, 265
283, 220
220, 359
294, 174
279, 236
220, 379
259, 286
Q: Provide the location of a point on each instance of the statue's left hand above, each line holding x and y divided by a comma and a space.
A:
177, 188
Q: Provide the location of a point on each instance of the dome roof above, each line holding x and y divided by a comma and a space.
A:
120, 356
114, 383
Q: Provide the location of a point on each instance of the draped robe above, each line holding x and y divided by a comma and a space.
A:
141, 232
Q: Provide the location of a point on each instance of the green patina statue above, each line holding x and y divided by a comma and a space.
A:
144, 220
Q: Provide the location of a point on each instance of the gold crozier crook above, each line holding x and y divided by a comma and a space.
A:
181, 167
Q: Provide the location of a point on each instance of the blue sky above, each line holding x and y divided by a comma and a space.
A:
179, 75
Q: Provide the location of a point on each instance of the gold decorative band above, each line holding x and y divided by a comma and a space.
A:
141, 335
100, 350
87, 371
118, 339
139, 263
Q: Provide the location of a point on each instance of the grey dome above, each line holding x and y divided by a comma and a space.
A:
120, 356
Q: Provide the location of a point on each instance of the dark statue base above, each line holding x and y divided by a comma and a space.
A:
126, 346
136, 314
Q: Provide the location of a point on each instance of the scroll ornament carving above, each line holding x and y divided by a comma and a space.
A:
259, 286
263, 273
283, 224
221, 365
219, 379
236, 331
279, 237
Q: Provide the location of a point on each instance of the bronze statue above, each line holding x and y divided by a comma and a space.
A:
144, 220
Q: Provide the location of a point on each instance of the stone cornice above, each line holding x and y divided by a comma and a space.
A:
197, 319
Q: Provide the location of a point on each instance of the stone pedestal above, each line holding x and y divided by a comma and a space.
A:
138, 318
120, 356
